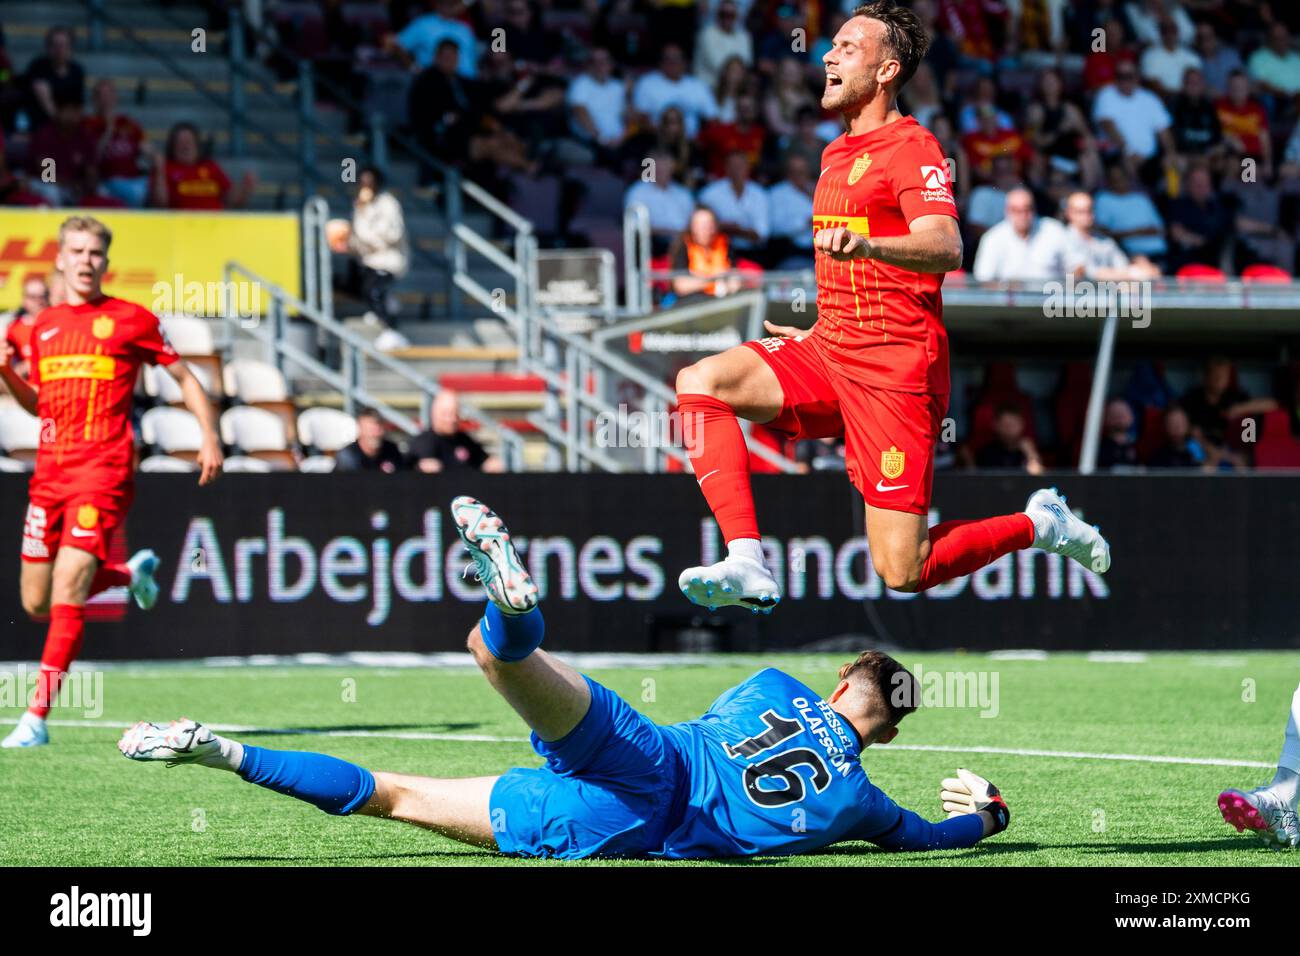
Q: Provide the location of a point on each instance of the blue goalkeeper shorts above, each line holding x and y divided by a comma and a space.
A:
609, 788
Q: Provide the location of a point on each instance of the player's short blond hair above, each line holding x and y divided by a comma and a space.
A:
85, 224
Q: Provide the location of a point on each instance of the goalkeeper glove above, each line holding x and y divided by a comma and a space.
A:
971, 793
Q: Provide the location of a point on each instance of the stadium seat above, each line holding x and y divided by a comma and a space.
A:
368, 22
326, 429
316, 465
263, 385
245, 464
253, 430
188, 335
1264, 273
173, 431
13, 465
1195, 272
253, 382
159, 384
165, 464
1277, 447
20, 433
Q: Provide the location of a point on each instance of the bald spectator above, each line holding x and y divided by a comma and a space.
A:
446, 446
1118, 447
1178, 449
1022, 246
1164, 63
373, 450
1132, 119
1090, 255
1276, 65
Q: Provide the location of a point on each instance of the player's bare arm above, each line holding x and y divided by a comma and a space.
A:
933, 245
196, 400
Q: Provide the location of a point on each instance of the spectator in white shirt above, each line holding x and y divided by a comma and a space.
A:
1144, 17
790, 208
1164, 63
597, 102
1092, 256
669, 203
740, 204
1022, 247
670, 85
719, 41
1133, 119
1276, 67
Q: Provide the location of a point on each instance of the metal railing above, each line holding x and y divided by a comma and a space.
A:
354, 350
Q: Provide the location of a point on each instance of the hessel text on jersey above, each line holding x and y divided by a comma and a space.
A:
821, 727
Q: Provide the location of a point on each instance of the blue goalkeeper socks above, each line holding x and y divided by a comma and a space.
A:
329, 783
511, 637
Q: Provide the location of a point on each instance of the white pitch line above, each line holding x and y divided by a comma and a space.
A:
493, 739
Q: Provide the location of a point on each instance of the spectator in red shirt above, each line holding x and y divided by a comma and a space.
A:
746, 135
120, 146
186, 181
21, 322
1099, 67
61, 157
1245, 123
989, 141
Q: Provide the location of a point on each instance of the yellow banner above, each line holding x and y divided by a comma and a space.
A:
165, 261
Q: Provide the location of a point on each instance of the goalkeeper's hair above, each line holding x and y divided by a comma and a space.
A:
890, 687
905, 35
85, 224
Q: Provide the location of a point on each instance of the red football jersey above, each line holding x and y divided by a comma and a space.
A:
883, 325
85, 359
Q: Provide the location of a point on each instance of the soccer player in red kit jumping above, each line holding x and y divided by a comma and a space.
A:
874, 366
86, 355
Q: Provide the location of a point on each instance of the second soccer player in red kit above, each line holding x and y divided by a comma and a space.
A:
85, 357
874, 366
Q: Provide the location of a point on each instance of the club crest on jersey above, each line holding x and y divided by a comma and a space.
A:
891, 462
859, 168
87, 516
102, 327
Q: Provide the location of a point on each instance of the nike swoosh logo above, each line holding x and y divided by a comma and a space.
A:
82, 533
700, 481
881, 486
44, 336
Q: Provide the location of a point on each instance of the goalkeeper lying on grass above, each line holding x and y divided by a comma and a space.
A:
771, 768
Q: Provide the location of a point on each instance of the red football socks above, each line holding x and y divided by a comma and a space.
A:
960, 547
110, 576
716, 448
62, 645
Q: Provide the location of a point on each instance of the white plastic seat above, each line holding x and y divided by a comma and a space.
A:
252, 381
19, 432
166, 464
253, 429
171, 430
326, 429
316, 465
158, 383
247, 465
188, 335
14, 466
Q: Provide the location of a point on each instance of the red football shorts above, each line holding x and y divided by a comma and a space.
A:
889, 436
85, 520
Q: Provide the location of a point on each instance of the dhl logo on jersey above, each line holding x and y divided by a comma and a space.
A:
857, 224
56, 367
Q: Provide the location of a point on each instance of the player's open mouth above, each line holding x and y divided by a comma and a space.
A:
832, 80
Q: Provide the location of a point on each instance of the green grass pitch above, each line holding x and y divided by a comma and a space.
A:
78, 802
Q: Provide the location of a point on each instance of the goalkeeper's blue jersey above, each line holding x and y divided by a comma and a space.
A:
772, 768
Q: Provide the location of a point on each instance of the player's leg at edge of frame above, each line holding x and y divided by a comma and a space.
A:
67, 622
550, 696
1272, 812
